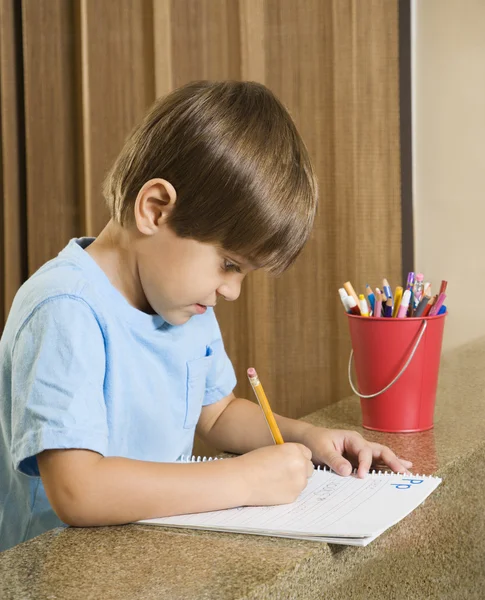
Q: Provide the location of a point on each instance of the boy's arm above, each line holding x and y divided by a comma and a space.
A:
238, 425
86, 489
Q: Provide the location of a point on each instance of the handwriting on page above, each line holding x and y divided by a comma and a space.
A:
406, 486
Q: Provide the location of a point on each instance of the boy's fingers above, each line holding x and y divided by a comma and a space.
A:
390, 459
307, 453
337, 463
365, 461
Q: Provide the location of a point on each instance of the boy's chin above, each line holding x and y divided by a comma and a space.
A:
177, 317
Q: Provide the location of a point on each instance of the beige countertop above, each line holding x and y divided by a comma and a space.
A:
436, 552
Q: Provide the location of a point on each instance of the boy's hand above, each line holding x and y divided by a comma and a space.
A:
334, 446
275, 474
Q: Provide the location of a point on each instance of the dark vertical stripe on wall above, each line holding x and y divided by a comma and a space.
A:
406, 137
22, 165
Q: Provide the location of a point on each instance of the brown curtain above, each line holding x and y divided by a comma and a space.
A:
77, 75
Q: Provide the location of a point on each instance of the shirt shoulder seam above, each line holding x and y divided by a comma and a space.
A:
51, 299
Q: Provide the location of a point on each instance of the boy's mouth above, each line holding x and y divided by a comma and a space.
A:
200, 308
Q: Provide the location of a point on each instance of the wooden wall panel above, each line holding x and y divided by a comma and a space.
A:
13, 255
52, 140
335, 64
118, 85
90, 70
205, 40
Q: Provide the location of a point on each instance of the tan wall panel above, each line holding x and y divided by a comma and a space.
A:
205, 40
51, 127
335, 65
91, 70
12, 200
118, 85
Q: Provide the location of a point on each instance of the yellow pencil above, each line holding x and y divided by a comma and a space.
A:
264, 404
397, 300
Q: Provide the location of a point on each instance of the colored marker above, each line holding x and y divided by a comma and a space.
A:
443, 286
422, 305
343, 295
352, 306
364, 308
437, 305
410, 282
418, 288
351, 292
429, 305
411, 304
378, 307
442, 310
397, 300
403, 309
388, 308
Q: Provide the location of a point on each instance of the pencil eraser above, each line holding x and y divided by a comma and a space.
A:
251, 372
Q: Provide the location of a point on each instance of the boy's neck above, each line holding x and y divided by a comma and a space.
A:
112, 251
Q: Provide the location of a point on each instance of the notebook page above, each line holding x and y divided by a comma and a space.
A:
330, 505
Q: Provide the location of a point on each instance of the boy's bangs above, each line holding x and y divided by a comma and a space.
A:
268, 241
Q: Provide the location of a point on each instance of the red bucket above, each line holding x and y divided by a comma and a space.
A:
397, 363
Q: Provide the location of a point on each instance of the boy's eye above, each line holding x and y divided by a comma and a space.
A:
229, 266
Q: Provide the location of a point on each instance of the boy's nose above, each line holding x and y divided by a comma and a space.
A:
230, 290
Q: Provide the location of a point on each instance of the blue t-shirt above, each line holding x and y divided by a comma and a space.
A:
82, 368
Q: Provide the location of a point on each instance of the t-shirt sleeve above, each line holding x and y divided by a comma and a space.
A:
221, 379
58, 369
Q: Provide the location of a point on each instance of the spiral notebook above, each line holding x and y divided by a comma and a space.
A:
332, 509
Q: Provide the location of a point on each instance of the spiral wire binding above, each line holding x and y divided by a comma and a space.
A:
193, 459
197, 459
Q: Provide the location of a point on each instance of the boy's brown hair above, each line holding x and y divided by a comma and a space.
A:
241, 171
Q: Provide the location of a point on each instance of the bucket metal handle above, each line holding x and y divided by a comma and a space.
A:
423, 329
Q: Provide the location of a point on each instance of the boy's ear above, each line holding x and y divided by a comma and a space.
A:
154, 203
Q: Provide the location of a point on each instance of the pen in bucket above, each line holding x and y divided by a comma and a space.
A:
388, 308
352, 307
387, 288
418, 288
370, 297
364, 308
422, 305
429, 306
343, 297
437, 305
378, 306
403, 309
410, 281
397, 300
351, 292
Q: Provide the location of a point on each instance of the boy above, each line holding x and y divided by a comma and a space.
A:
112, 356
